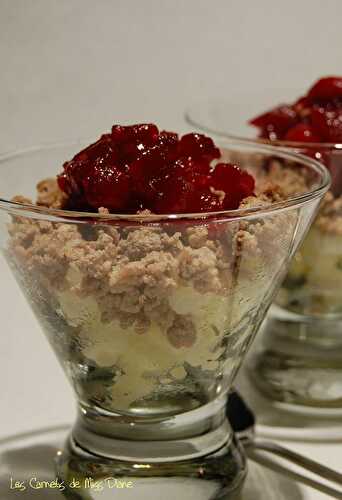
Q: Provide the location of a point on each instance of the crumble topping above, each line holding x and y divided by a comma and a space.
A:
282, 181
277, 181
133, 271
49, 194
329, 219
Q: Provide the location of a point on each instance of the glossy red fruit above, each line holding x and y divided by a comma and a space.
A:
209, 201
269, 133
107, 186
234, 182
191, 168
137, 167
278, 120
301, 103
183, 189
169, 141
70, 181
326, 89
63, 183
198, 145
144, 133
318, 116
328, 124
302, 133
173, 196
153, 164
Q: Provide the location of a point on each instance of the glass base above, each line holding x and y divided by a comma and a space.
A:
217, 476
35, 451
299, 363
195, 451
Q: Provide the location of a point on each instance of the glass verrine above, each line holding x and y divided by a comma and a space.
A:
150, 317
299, 361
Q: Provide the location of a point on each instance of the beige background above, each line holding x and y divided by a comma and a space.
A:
73, 67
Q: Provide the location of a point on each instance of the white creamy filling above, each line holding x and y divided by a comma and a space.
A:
321, 254
145, 356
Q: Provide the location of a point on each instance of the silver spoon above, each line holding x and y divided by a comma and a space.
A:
242, 420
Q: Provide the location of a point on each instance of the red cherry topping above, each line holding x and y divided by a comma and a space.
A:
326, 89
107, 187
328, 123
315, 117
137, 167
302, 133
198, 145
235, 183
276, 121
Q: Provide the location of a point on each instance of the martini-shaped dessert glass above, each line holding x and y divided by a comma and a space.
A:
151, 297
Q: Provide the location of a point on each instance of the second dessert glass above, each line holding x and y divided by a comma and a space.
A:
299, 361
150, 317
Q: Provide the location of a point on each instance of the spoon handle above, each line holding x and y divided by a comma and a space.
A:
252, 447
305, 462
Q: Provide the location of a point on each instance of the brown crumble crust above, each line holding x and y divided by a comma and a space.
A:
22, 199
289, 182
131, 272
329, 219
49, 194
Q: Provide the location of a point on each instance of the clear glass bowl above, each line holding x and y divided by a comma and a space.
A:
151, 316
300, 361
